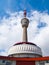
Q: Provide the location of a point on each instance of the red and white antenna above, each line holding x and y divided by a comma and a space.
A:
24, 13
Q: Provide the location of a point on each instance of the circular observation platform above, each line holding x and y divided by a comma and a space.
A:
25, 49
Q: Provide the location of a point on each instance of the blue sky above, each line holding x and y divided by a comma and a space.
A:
11, 13
17, 5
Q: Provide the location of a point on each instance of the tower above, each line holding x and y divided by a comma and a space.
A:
25, 48
25, 23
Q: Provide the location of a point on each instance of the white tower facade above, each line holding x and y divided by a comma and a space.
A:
25, 48
25, 23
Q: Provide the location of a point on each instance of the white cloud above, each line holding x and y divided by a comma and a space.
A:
42, 40
11, 30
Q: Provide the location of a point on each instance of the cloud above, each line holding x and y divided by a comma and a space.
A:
41, 34
11, 30
42, 40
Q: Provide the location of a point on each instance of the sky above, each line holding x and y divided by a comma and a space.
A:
11, 13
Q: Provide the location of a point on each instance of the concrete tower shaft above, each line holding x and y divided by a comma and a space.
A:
25, 23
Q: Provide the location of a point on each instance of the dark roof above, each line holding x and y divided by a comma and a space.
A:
25, 43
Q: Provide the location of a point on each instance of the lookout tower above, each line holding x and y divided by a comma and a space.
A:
25, 48
25, 23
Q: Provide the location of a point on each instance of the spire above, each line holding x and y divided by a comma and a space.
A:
24, 13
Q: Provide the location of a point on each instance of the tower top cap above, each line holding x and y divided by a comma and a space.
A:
24, 13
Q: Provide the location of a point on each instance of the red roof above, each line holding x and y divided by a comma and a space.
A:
25, 43
24, 59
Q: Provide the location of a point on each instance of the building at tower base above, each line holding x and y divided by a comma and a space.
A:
25, 49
